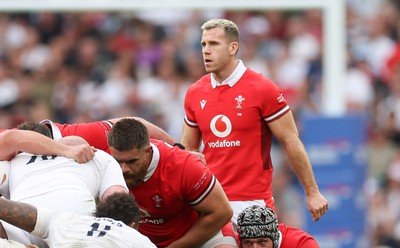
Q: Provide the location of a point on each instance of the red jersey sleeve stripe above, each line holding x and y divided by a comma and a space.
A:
109, 123
205, 193
280, 112
190, 123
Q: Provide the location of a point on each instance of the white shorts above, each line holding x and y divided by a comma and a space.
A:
226, 236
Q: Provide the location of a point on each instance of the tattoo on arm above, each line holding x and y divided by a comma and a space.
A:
18, 214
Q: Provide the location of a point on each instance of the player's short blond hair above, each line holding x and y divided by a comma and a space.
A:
230, 28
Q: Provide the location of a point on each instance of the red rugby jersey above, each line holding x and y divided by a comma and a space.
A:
178, 180
296, 238
237, 141
95, 133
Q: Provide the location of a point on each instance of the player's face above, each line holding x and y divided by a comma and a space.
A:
216, 49
134, 164
257, 243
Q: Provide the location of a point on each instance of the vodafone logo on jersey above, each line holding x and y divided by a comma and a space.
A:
221, 126
145, 217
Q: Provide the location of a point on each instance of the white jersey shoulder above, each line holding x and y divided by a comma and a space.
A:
62, 229
37, 179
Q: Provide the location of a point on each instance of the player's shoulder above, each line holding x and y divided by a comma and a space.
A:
102, 159
203, 81
172, 157
295, 237
257, 79
166, 148
23, 155
102, 155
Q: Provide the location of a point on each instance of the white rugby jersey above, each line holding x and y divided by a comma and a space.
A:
62, 229
62, 183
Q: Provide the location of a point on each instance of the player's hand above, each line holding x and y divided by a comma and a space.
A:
317, 205
81, 153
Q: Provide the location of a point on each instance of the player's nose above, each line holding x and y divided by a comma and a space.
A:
124, 167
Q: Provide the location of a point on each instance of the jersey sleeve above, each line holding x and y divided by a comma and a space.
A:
95, 133
189, 113
45, 221
273, 103
197, 180
112, 174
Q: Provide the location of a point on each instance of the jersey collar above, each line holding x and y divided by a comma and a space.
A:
233, 78
153, 164
55, 131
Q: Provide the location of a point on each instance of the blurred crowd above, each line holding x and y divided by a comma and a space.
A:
79, 67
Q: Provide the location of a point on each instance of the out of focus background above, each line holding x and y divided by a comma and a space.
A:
72, 64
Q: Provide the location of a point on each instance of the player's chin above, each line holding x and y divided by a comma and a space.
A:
132, 183
209, 69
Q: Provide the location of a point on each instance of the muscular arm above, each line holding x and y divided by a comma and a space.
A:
215, 212
154, 131
19, 214
12, 141
191, 137
286, 132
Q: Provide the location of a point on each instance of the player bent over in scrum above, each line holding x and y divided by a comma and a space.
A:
113, 225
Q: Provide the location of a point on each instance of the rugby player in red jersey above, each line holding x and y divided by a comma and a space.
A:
182, 204
235, 111
258, 227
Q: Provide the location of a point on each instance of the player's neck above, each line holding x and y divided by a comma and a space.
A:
224, 73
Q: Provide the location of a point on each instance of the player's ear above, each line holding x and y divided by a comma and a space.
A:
233, 48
